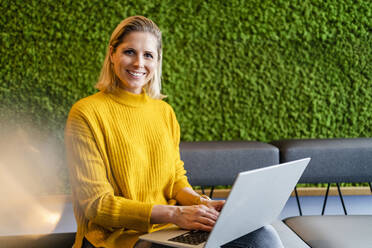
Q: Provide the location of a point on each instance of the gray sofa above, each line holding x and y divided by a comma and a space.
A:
217, 163
333, 161
53, 240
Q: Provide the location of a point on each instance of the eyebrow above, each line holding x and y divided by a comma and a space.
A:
147, 51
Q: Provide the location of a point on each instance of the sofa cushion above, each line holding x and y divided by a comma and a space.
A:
55, 240
333, 231
288, 237
332, 160
218, 163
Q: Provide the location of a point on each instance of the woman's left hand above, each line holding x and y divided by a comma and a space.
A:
216, 204
187, 197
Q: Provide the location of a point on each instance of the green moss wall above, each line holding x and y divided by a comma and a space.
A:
233, 70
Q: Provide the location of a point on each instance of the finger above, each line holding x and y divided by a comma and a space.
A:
207, 221
213, 211
210, 215
214, 214
208, 212
220, 205
203, 227
210, 209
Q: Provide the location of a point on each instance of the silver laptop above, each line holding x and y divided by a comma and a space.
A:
256, 199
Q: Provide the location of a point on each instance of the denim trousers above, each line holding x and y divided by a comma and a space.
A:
265, 237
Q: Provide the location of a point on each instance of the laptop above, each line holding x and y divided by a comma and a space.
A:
255, 200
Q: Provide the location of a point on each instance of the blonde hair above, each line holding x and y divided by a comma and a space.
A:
107, 80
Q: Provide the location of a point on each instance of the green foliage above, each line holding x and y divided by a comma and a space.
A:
233, 70
250, 70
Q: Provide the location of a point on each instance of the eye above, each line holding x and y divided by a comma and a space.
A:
129, 52
149, 55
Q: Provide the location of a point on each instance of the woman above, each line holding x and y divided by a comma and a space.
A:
123, 149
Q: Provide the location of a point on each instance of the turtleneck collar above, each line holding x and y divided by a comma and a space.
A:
128, 98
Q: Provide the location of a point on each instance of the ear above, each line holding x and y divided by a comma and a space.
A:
111, 53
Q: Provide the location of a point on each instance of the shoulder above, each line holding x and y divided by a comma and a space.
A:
84, 115
90, 101
89, 104
164, 107
168, 115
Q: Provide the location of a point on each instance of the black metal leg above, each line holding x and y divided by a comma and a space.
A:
211, 193
370, 186
341, 198
325, 199
202, 189
298, 201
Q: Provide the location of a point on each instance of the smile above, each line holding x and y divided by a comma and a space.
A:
136, 74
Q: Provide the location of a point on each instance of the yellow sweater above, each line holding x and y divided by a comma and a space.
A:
123, 156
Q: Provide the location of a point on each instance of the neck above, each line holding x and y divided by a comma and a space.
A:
129, 98
136, 91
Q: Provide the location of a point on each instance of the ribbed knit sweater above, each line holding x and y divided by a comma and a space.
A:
123, 156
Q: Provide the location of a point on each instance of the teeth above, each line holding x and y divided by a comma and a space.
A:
136, 74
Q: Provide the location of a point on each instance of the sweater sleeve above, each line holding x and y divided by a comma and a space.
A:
181, 179
93, 192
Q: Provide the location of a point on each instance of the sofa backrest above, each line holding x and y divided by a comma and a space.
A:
214, 163
332, 160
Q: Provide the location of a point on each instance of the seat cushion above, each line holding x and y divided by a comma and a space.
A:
333, 231
287, 236
55, 240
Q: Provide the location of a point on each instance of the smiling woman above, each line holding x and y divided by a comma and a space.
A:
122, 146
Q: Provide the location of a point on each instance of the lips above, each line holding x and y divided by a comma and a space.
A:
136, 74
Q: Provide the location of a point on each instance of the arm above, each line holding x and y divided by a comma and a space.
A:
195, 217
196, 212
182, 190
93, 193
187, 196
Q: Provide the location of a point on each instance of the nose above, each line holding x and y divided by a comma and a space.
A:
139, 61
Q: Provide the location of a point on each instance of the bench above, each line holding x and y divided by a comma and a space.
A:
217, 163
52, 240
333, 161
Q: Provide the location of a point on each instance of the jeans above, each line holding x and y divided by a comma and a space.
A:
265, 237
87, 244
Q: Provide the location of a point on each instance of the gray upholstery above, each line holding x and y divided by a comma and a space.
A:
218, 163
287, 236
55, 240
333, 231
332, 160
63, 240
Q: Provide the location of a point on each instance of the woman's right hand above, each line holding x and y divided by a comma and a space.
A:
196, 217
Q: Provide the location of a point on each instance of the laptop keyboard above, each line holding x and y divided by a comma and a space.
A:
192, 237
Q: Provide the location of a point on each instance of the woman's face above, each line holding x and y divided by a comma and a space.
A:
135, 60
